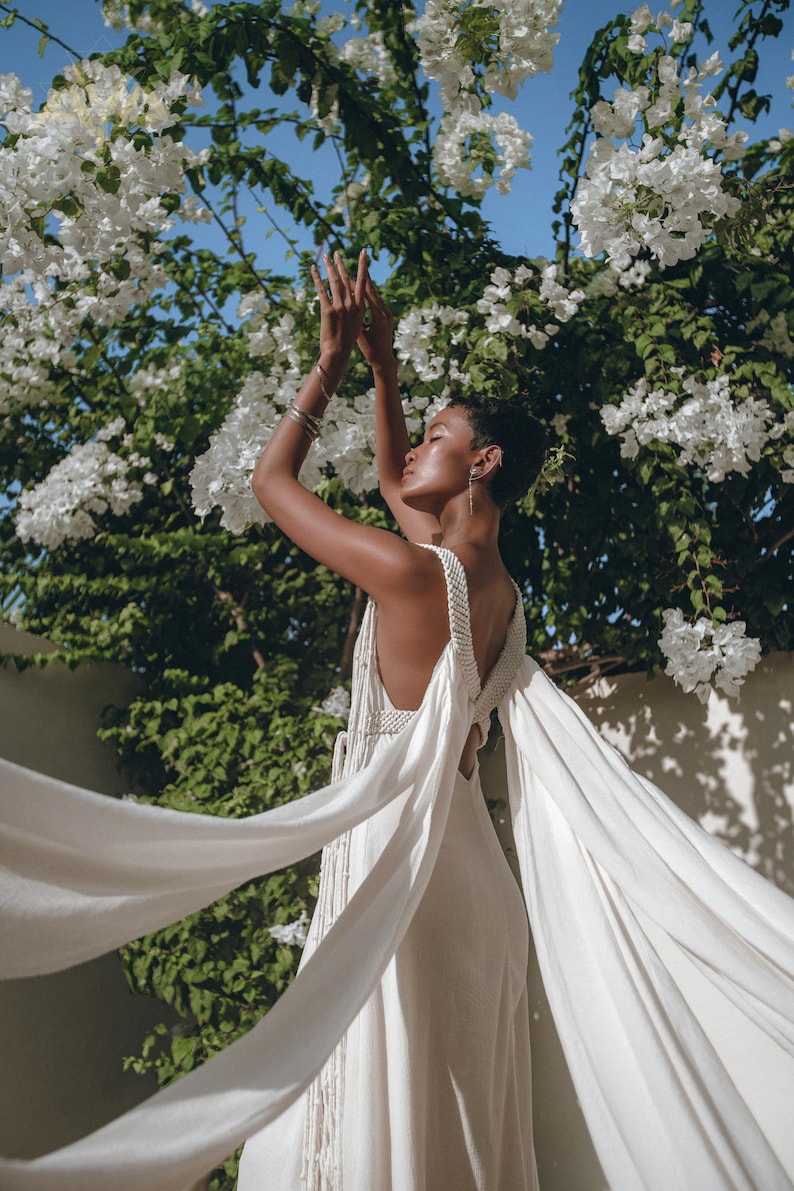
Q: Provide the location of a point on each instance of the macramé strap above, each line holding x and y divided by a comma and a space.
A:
499, 680
459, 616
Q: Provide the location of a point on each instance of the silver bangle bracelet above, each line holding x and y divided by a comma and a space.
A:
303, 413
301, 418
322, 377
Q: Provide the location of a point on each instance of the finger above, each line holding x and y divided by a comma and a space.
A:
362, 276
322, 293
331, 271
350, 288
375, 299
372, 290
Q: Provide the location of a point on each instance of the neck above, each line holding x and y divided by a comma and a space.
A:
460, 528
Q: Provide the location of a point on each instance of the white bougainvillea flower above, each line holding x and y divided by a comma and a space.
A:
707, 654
90, 482
663, 197
474, 151
712, 429
641, 18
524, 46
292, 934
83, 191
419, 334
337, 703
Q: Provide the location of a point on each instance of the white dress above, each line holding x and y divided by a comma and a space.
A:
430, 1090
604, 857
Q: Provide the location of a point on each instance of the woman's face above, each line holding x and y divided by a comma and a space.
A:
438, 468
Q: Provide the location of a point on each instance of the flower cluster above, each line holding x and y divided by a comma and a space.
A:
707, 654
222, 474
423, 334
337, 703
514, 41
662, 198
712, 430
89, 482
508, 294
116, 15
292, 934
82, 189
369, 56
465, 145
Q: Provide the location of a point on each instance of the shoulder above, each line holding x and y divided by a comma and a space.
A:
414, 571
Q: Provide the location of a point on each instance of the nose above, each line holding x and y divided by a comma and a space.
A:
409, 455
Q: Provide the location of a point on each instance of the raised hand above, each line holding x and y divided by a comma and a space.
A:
342, 305
376, 336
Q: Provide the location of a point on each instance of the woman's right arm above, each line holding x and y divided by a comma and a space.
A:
391, 437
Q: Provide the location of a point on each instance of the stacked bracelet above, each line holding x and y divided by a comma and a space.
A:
323, 379
308, 423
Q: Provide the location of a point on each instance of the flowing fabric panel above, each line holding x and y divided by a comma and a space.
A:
82, 873
172, 1139
595, 843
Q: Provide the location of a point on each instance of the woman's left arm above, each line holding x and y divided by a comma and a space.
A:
374, 559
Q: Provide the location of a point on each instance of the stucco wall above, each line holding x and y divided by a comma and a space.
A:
729, 764
64, 1036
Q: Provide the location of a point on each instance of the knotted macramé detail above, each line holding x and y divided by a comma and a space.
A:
386, 721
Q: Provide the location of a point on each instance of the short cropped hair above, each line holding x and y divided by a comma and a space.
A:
508, 425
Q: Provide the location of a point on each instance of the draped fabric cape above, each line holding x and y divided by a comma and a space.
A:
602, 852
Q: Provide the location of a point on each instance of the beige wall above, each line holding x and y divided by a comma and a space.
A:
730, 765
64, 1036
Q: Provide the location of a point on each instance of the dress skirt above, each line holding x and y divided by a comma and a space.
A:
434, 1091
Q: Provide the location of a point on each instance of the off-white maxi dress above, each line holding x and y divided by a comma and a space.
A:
606, 863
430, 1089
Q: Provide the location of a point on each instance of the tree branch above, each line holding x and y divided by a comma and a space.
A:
40, 27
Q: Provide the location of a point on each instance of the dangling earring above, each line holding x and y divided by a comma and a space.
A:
472, 474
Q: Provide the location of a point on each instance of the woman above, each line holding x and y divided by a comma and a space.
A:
431, 1089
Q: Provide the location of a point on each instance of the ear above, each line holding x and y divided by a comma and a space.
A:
489, 460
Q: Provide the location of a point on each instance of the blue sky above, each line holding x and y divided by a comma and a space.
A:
522, 219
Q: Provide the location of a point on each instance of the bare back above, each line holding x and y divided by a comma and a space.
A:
413, 629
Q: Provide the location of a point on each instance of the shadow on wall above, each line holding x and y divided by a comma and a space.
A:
728, 763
